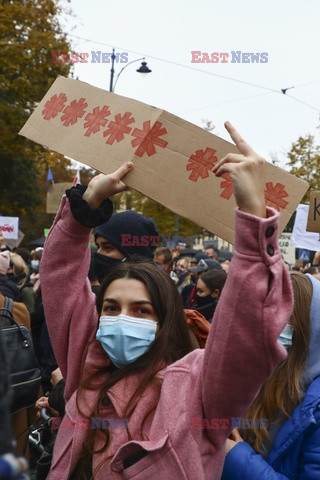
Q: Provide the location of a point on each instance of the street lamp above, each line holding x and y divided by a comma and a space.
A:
144, 69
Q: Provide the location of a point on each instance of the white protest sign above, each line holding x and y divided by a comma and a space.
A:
286, 249
9, 227
300, 237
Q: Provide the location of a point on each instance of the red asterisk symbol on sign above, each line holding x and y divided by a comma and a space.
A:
53, 106
227, 185
118, 128
201, 163
274, 195
96, 119
73, 111
148, 138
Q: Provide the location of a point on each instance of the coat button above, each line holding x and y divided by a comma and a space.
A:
270, 231
270, 250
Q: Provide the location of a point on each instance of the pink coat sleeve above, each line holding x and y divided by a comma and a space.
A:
256, 303
69, 303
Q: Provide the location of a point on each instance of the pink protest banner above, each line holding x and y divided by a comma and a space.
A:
172, 157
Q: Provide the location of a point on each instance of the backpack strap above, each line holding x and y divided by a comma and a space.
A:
8, 304
6, 313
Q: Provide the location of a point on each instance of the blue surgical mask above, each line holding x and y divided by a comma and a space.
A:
35, 264
125, 338
285, 337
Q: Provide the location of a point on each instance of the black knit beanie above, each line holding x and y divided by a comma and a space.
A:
129, 227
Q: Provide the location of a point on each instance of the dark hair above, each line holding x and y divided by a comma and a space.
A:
166, 252
173, 341
216, 251
214, 279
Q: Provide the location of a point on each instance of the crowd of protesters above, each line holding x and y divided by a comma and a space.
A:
212, 362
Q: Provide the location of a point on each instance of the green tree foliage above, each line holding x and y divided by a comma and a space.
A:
29, 31
304, 162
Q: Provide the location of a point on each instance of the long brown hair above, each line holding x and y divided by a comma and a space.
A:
173, 341
283, 391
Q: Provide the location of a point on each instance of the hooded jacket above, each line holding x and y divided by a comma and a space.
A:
295, 451
214, 383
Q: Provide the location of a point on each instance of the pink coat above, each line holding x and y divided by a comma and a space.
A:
216, 383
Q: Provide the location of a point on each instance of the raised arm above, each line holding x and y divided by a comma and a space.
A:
67, 297
242, 348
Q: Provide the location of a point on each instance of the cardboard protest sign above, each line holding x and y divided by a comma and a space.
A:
300, 237
313, 224
9, 227
172, 157
54, 196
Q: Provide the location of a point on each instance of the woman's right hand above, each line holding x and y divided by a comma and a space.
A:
104, 186
247, 172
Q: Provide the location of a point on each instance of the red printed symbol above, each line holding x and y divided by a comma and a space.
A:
118, 128
227, 185
54, 106
201, 163
72, 112
96, 119
148, 138
6, 228
274, 195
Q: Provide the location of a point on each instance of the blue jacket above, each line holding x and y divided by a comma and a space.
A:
295, 454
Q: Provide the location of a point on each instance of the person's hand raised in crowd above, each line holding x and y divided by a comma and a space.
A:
104, 186
247, 172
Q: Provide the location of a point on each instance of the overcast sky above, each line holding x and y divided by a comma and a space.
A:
287, 30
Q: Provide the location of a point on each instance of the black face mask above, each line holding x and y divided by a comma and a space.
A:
202, 301
103, 264
182, 274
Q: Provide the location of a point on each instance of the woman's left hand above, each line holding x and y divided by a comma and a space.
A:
233, 439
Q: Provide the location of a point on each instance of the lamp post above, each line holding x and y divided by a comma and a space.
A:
144, 69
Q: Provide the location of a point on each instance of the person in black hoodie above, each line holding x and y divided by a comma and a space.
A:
209, 287
190, 298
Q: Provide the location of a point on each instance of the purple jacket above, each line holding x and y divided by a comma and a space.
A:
215, 384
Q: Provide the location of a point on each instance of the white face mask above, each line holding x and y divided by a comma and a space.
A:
35, 264
125, 338
285, 337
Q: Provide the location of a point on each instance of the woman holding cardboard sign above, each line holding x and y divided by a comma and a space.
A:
148, 409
